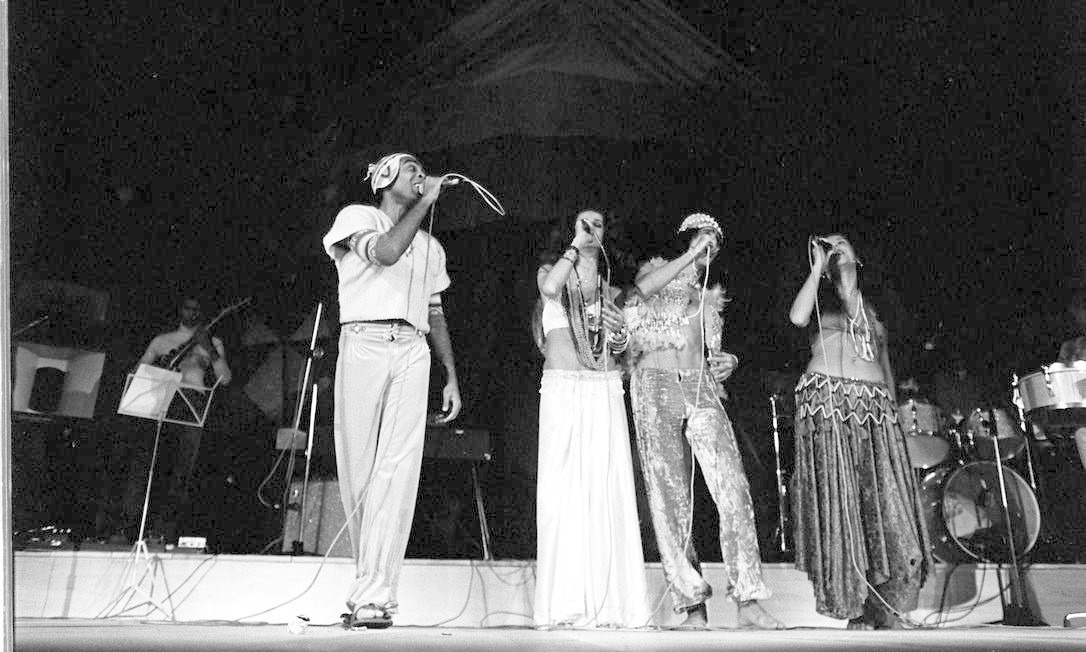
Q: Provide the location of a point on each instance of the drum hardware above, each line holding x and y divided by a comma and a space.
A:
958, 444
1017, 613
984, 425
782, 490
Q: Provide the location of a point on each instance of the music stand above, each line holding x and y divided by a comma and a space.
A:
158, 394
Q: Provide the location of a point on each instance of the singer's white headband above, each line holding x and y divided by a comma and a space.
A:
382, 173
698, 221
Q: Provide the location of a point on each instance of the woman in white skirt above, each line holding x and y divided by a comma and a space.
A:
590, 569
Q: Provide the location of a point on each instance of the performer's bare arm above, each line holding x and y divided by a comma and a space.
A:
649, 282
442, 346
551, 279
387, 247
804, 303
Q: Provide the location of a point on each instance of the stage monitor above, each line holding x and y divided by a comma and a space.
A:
56, 381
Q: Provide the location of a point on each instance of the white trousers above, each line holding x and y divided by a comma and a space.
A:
381, 393
590, 570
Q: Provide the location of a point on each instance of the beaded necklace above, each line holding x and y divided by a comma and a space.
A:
859, 332
586, 326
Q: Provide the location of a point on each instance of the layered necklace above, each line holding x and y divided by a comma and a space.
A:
860, 332
586, 324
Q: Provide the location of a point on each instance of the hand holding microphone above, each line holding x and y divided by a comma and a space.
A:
818, 250
702, 243
434, 185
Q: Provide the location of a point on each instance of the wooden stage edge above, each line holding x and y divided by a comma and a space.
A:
192, 588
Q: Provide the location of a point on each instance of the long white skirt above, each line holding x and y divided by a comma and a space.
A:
590, 569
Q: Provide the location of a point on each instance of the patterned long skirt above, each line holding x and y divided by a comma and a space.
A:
857, 513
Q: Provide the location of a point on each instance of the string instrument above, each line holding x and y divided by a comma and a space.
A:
173, 358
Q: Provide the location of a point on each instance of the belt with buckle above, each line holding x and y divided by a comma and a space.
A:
388, 325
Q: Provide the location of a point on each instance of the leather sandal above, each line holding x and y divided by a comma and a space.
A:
369, 616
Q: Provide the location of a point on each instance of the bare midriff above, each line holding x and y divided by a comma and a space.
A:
840, 358
690, 356
560, 352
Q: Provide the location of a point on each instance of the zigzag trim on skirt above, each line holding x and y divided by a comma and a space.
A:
844, 399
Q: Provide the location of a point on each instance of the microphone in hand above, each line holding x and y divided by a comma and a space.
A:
446, 181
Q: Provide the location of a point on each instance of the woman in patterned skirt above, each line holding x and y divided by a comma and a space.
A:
860, 534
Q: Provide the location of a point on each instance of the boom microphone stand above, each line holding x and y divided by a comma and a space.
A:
296, 435
1017, 613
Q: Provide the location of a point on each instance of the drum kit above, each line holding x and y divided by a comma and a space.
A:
955, 460
964, 465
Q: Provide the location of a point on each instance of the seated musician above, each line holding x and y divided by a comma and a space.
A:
201, 359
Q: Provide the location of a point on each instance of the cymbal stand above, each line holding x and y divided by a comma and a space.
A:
782, 489
1017, 613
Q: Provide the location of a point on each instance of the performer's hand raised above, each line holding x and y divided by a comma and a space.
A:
701, 243
584, 237
431, 188
819, 256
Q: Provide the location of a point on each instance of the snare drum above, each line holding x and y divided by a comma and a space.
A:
920, 421
1056, 386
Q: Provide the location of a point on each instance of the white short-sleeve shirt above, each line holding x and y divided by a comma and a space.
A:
368, 290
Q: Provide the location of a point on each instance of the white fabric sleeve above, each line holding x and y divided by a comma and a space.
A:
350, 220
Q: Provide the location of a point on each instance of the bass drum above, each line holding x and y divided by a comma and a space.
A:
965, 513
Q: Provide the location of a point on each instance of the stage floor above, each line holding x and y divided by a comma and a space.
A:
117, 636
84, 600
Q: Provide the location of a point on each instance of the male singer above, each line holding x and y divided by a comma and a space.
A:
391, 276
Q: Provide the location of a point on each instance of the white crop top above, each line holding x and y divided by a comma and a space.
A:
554, 314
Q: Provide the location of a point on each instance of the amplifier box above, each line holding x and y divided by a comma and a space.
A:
443, 442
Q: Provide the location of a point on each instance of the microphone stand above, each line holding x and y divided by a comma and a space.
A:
1017, 613
782, 490
297, 546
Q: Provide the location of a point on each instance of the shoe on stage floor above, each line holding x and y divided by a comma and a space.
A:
369, 616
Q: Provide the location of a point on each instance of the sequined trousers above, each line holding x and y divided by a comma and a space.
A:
664, 401
856, 509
